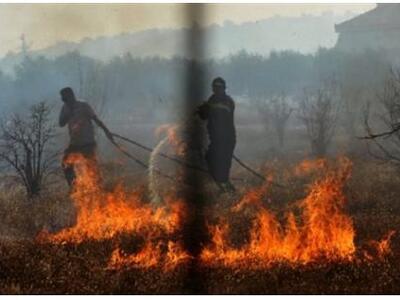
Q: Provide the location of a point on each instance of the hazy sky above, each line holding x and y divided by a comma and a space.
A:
45, 24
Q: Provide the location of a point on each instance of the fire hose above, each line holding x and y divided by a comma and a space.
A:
177, 160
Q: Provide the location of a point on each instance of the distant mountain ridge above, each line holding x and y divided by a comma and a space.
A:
304, 34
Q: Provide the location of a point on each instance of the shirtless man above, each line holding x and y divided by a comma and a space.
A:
78, 116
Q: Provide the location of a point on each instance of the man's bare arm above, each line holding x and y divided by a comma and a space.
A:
104, 127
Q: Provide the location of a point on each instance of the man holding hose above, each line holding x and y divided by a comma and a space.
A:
78, 116
219, 113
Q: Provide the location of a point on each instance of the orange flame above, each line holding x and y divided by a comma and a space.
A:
382, 247
321, 230
104, 215
324, 231
252, 197
150, 256
308, 166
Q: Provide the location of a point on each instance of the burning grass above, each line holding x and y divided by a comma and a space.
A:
321, 231
268, 240
103, 215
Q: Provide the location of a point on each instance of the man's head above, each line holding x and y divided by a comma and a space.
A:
218, 86
67, 95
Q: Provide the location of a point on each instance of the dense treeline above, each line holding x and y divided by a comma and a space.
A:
133, 86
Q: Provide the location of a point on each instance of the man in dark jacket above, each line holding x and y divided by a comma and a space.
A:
219, 113
79, 116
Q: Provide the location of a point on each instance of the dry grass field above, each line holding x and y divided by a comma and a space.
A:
330, 228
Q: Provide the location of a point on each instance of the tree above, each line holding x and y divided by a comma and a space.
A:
387, 142
264, 109
281, 112
25, 147
275, 113
318, 112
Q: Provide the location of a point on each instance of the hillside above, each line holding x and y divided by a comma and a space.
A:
304, 34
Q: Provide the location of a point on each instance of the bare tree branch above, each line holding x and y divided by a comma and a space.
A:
24, 146
318, 111
387, 142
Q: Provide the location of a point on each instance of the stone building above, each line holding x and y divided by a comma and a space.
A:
377, 29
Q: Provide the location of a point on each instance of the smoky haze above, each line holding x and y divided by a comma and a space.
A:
136, 81
72, 23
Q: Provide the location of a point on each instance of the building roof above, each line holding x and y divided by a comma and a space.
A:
383, 16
